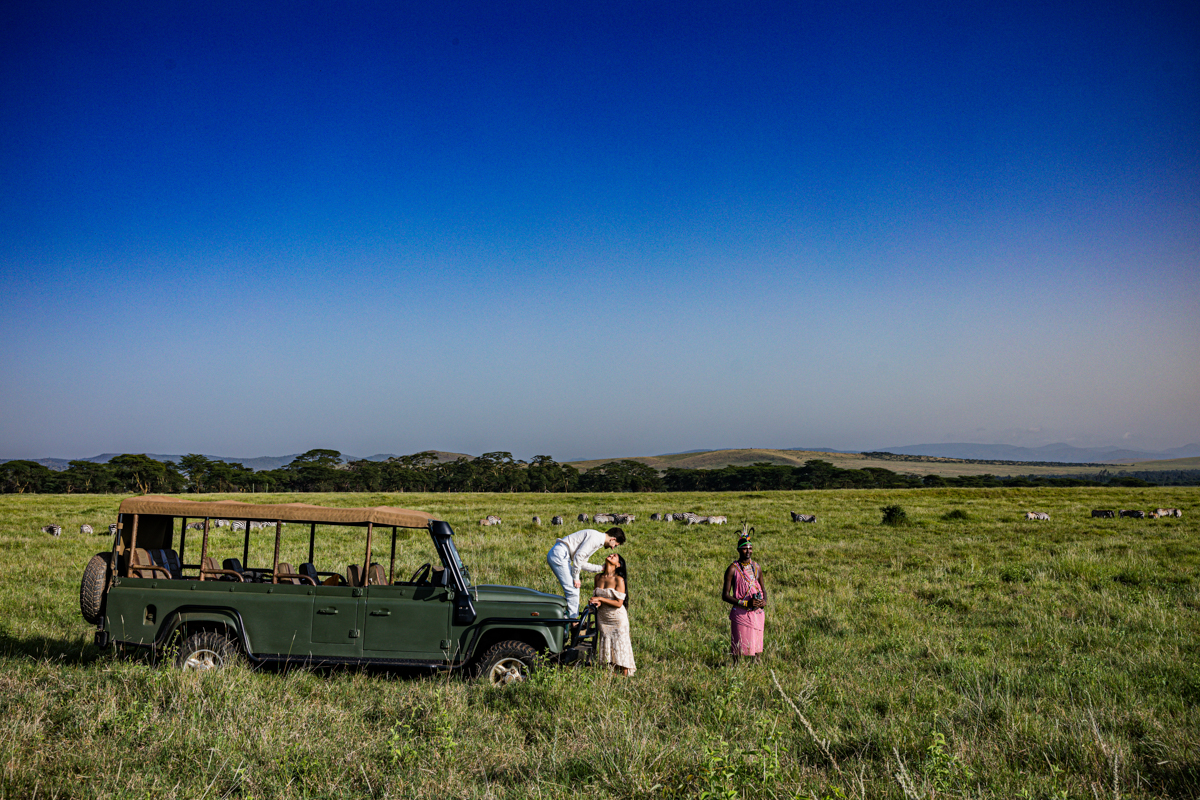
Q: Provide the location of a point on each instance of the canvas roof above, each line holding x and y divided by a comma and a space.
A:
286, 512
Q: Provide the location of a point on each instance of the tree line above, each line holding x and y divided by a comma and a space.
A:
326, 471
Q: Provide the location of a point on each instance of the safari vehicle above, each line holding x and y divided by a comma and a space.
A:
147, 593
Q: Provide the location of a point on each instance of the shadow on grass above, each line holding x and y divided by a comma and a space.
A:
79, 651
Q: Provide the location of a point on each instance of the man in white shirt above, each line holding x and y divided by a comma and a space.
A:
570, 554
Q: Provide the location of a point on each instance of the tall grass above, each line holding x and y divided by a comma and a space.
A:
963, 655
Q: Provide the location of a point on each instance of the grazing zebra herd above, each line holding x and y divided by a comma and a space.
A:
1108, 513
55, 529
601, 518
612, 518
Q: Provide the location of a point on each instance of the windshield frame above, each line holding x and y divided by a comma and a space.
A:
451, 560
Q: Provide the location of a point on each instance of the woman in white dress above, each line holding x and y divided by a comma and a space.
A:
611, 599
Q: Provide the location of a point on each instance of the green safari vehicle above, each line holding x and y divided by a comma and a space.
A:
146, 592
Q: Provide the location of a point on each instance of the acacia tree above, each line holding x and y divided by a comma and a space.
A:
621, 476
143, 474
22, 476
315, 471
196, 468
89, 477
547, 475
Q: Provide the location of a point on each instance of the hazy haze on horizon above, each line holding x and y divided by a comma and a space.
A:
594, 232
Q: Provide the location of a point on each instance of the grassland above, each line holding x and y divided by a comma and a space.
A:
986, 657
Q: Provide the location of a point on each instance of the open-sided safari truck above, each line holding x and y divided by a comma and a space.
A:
307, 584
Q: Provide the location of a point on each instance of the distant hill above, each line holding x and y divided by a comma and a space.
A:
1060, 452
920, 465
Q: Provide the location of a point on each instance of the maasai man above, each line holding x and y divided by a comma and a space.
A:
744, 591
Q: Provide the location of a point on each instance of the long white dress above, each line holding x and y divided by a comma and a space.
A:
613, 645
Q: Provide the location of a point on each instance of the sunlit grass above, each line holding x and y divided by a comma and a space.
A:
981, 657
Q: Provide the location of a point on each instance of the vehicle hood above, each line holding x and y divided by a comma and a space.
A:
517, 594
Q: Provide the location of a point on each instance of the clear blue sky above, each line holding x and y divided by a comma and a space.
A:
591, 230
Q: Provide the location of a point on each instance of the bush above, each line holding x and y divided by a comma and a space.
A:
957, 515
894, 515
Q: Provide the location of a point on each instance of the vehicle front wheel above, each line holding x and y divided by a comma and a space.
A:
505, 663
206, 650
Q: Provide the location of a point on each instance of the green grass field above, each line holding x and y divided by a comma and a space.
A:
986, 657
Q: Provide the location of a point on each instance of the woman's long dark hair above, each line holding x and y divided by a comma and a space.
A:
624, 575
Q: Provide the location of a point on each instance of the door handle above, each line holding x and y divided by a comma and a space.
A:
326, 610
381, 612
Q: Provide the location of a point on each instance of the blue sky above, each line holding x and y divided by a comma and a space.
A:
592, 231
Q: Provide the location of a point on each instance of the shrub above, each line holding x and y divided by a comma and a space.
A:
957, 515
894, 515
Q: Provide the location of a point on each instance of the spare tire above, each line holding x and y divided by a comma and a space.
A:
91, 588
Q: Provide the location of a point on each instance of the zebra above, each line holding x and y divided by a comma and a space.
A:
237, 525
1036, 515
85, 528
1167, 512
194, 526
689, 518
220, 523
1133, 513
656, 517
603, 519
717, 520
537, 520
490, 519
1103, 513
556, 520
112, 529
583, 517
52, 529
803, 517
622, 519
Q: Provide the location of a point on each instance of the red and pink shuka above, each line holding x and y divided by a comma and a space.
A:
746, 624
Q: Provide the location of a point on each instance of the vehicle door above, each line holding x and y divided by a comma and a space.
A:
337, 622
411, 619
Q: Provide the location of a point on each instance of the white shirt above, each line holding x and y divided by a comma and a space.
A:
581, 545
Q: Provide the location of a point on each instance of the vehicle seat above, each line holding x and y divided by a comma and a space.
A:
169, 560
234, 565
285, 574
376, 576
354, 576
208, 567
309, 570
142, 566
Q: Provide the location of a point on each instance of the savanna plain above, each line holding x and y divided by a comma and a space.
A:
970, 653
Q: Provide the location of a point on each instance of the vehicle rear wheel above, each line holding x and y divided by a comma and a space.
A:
206, 650
91, 588
505, 663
